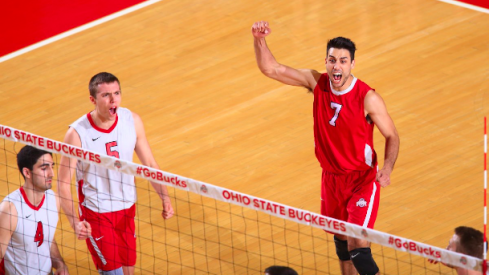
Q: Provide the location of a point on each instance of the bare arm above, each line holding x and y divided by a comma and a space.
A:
146, 157
271, 68
8, 224
66, 169
57, 260
376, 109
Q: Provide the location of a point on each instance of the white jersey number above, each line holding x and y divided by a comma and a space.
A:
337, 108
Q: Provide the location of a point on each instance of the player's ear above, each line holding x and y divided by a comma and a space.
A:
353, 64
26, 172
92, 99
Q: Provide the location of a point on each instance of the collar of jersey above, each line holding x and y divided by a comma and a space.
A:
90, 119
36, 208
345, 91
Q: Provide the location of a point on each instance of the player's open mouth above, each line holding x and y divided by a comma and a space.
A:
337, 77
113, 110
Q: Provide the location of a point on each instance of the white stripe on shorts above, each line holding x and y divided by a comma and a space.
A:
370, 206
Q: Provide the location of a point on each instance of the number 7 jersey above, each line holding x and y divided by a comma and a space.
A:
342, 135
100, 189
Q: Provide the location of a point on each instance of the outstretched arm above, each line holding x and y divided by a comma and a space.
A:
57, 260
8, 224
376, 109
66, 169
271, 68
146, 157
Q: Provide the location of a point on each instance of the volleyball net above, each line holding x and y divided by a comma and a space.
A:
220, 231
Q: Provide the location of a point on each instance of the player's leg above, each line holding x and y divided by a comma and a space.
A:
102, 244
346, 265
126, 239
362, 210
333, 205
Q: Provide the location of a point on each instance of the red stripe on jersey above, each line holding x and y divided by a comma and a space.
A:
89, 116
342, 135
2, 267
81, 198
24, 195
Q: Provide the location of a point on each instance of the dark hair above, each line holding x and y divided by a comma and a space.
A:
28, 156
99, 79
280, 270
471, 241
342, 43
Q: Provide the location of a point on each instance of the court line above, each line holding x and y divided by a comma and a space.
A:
77, 30
465, 5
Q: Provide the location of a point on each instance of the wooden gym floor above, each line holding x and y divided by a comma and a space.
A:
188, 69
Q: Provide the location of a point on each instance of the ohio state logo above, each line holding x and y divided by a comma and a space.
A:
117, 164
463, 260
364, 233
361, 202
203, 189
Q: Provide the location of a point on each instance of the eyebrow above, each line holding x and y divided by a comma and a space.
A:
343, 57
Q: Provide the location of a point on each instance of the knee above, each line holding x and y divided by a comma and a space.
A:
363, 261
342, 249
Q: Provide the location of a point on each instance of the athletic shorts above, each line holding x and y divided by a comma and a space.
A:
352, 197
114, 240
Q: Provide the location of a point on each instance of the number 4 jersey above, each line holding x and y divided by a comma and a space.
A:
343, 137
100, 189
28, 251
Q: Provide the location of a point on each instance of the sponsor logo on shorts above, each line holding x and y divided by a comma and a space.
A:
97, 239
361, 202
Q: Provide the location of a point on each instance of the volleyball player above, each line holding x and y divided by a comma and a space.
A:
28, 219
468, 241
345, 112
107, 198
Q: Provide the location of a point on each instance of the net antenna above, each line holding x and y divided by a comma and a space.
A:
484, 263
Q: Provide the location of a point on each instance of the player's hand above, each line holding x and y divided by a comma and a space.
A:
62, 271
167, 209
431, 261
260, 29
384, 177
83, 230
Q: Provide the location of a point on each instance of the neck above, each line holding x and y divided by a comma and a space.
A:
34, 196
101, 121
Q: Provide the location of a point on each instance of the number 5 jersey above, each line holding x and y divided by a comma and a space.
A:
100, 189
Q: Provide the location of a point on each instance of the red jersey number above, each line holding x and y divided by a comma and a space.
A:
39, 237
337, 108
110, 152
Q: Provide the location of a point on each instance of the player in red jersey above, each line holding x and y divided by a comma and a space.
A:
345, 112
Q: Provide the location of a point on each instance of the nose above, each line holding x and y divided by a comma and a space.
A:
50, 172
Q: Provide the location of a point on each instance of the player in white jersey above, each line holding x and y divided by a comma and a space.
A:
107, 198
28, 219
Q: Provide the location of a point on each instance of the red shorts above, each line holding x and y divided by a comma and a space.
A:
352, 197
114, 235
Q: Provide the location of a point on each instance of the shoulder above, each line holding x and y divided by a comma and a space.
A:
373, 102
72, 137
7, 208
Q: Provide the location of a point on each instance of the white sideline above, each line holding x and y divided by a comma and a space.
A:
465, 5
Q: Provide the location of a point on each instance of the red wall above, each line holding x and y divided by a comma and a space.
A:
26, 22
